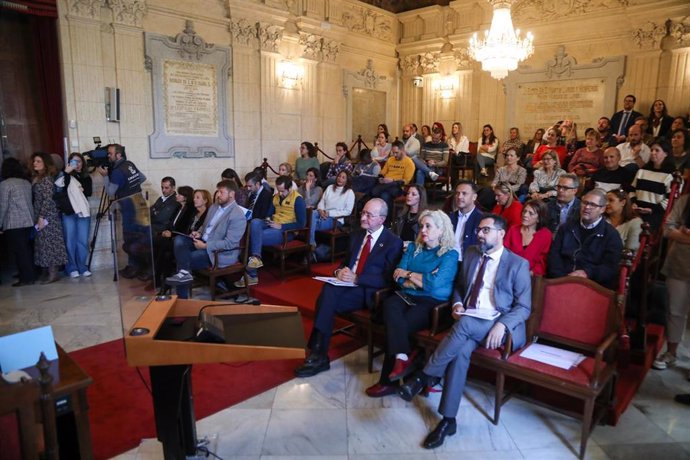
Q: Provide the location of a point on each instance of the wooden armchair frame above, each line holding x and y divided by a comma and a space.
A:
215, 272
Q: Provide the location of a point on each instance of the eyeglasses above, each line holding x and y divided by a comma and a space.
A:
589, 204
485, 230
565, 187
369, 215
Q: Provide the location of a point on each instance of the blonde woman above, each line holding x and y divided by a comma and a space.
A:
425, 276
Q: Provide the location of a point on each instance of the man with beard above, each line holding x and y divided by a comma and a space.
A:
496, 307
604, 129
634, 153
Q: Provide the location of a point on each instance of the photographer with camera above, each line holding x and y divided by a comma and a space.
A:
122, 177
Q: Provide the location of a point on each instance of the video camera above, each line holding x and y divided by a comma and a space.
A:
98, 156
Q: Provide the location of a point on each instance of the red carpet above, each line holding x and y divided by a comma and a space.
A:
121, 410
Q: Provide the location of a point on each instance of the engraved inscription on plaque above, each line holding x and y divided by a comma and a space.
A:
368, 109
190, 98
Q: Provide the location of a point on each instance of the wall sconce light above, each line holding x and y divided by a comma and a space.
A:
290, 74
446, 86
418, 82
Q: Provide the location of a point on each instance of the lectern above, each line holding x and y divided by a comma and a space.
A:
162, 338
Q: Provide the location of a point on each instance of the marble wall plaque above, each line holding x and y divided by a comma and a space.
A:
190, 99
368, 109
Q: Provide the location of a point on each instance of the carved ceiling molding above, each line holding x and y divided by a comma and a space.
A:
429, 62
319, 48
649, 35
243, 32
547, 10
128, 12
368, 22
85, 8
561, 66
409, 64
269, 36
368, 76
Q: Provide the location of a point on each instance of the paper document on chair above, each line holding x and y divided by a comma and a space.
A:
552, 356
481, 314
334, 281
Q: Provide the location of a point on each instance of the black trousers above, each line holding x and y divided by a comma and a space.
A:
19, 244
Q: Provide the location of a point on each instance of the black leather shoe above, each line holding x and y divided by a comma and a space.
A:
444, 428
313, 365
413, 387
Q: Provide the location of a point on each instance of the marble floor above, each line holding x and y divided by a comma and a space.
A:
329, 417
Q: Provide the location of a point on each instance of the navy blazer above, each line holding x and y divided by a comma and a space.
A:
263, 203
617, 118
380, 265
512, 290
469, 237
553, 214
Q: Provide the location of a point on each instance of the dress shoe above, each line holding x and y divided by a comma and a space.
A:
403, 368
128, 272
313, 365
379, 390
446, 427
413, 387
23, 283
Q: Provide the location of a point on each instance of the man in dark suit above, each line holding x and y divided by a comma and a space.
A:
165, 207
566, 206
477, 289
465, 216
374, 253
622, 120
260, 196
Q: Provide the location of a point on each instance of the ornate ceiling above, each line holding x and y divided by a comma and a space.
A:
398, 6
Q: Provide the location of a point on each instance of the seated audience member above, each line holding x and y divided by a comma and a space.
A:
381, 147
512, 173
306, 160
652, 185
678, 123
202, 203
366, 172
337, 202
465, 216
531, 148
406, 225
458, 143
288, 211
531, 239
165, 208
677, 271
507, 204
396, 173
566, 206
513, 143
310, 189
543, 186
659, 120
260, 196
341, 162
285, 169
241, 194
486, 150
163, 260
425, 277
612, 176
439, 125
373, 255
222, 231
412, 144
426, 134
680, 145
634, 153
647, 138
382, 129
606, 137
589, 159
622, 120
551, 144
492, 279
432, 157
620, 214
590, 248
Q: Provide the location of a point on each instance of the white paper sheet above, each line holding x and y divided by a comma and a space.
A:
552, 356
334, 281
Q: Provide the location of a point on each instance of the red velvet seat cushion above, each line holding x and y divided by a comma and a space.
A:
294, 244
580, 375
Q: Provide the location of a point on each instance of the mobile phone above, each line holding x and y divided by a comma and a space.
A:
73, 163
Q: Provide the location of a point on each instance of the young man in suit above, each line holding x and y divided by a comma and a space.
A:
223, 229
465, 216
477, 288
260, 196
374, 253
622, 120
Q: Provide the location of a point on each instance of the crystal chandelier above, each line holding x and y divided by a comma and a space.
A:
502, 48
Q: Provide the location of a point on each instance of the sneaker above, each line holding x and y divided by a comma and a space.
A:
433, 176
253, 280
664, 361
86, 274
254, 262
181, 277
74, 274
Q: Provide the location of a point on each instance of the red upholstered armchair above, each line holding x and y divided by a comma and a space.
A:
580, 315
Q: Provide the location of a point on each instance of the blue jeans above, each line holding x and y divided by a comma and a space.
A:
188, 258
318, 223
76, 232
421, 171
261, 235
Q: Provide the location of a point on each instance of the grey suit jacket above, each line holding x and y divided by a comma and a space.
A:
16, 207
226, 234
512, 290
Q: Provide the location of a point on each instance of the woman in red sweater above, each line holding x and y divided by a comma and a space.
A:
531, 239
507, 204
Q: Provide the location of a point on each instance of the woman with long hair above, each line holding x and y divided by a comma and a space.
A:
337, 202
241, 194
202, 202
543, 186
512, 173
76, 222
507, 204
620, 214
531, 147
551, 144
425, 277
652, 185
310, 189
406, 225
659, 120
486, 152
531, 239
340, 163
438, 125
17, 218
381, 147
49, 245
306, 159
426, 133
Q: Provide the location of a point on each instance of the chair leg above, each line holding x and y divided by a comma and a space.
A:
212, 286
586, 425
370, 347
498, 399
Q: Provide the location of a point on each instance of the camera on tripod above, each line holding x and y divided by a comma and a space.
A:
98, 156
